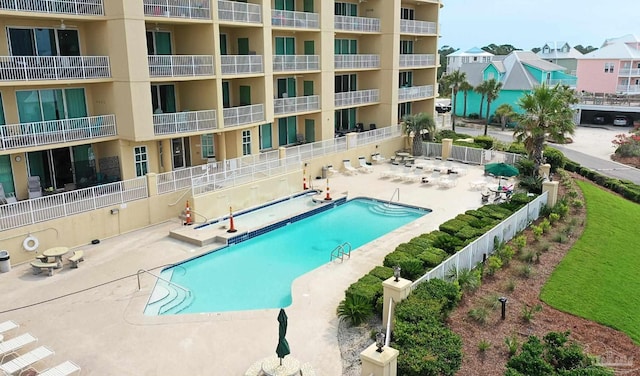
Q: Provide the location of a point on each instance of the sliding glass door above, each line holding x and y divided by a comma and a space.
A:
43, 42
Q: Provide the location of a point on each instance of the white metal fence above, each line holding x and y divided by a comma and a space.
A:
60, 205
180, 65
75, 7
289, 18
417, 27
242, 64
415, 92
183, 122
292, 63
351, 98
417, 60
192, 9
364, 24
239, 12
468, 257
296, 104
56, 131
243, 115
360, 61
27, 68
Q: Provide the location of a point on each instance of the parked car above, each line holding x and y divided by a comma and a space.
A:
622, 120
600, 118
442, 108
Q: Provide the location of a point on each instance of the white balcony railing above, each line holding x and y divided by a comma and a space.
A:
180, 65
243, 115
242, 64
191, 9
628, 89
239, 12
351, 23
356, 61
291, 63
184, 122
30, 68
289, 18
296, 104
418, 27
571, 82
352, 98
75, 7
629, 72
416, 92
417, 60
56, 131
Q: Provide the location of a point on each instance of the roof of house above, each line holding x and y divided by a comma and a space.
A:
474, 51
629, 38
559, 50
617, 49
474, 72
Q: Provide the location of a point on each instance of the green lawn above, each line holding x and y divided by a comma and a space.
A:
599, 279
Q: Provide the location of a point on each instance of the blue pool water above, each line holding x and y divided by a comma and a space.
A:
257, 273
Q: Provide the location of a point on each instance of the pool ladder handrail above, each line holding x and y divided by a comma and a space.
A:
186, 290
339, 252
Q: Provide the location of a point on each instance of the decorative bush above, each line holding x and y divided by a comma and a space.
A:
474, 116
382, 272
447, 243
431, 258
555, 158
452, 226
485, 141
368, 287
468, 232
355, 309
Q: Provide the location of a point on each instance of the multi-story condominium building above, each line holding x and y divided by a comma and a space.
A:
561, 53
97, 91
614, 68
474, 55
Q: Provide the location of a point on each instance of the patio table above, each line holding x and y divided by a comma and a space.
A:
57, 253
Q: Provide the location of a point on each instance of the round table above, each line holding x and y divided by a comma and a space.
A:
57, 253
290, 366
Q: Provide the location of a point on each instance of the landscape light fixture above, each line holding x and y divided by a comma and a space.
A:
396, 273
380, 341
503, 300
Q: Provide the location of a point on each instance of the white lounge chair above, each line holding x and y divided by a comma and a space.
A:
377, 158
62, 369
364, 167
348, 168
7, 325
391, 171
21, 363
14, 344
331, 171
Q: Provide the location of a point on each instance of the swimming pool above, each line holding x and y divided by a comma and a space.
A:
257, 272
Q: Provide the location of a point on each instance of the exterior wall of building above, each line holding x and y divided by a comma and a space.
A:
592, 77
510, 97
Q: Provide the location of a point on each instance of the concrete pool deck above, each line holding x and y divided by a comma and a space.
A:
93, 315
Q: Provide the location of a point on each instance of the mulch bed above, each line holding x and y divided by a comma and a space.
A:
612, 345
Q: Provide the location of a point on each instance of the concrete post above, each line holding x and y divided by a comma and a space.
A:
282, 152
545, 171
398, 291
376, 363
552, 188
152, 184
447, 144
352, 140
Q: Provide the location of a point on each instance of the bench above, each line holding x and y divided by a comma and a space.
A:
39, 267
77, 257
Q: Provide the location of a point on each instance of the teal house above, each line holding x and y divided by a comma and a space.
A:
519, 72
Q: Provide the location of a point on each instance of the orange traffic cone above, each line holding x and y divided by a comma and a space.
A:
187, 215
304, 179
327, 197
231, 226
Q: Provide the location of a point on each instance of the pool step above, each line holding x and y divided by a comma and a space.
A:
167, 298
389, 210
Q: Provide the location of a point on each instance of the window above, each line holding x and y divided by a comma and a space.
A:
266, 141
246, 142
55, 104
141, 161
608, 67
406, 79
406, 47
158, 43
43, 42
346, 9
207, 146
465, 59
407, 14
475, 58
285, 5
345, 46
490, 76
287, 129
546, 49
345, 83
345, 119
285, 46
404, 109
163, 99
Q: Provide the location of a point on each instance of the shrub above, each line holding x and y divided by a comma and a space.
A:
555, 158
517, 148
554, 217
493, 264
577, 203
510, 285
447, 243
469, 280
479, 314
537, 232
356, 309
368, 287
519, 242
528, 313
512, 344
526, 166
531, 184
524, 271
506, 254
491, 301
544, 247
484, 345
447, 294
545, 225
468, 232
560, 238
528, 256
452, 226
430, 259
382, 272
474, 116
485, 141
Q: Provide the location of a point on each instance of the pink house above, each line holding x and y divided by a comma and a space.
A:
614, 68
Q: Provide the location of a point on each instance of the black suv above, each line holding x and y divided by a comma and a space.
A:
442, 108
601, 119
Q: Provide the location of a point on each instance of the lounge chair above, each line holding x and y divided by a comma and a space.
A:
364, 167
62, 369
35, 189
21, 363
7, 325
391, 171
377, 158
348, 168
330, 170
14, 344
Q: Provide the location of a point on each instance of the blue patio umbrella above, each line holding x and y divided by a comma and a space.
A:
283, 346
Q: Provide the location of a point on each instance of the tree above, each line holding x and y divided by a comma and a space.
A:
584, 50
482, 90
465, 88
493, 88
416, 125
505, 113
535, 50
503, 49
453, 80
547, 115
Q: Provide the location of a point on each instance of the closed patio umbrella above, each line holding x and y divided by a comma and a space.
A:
283, 346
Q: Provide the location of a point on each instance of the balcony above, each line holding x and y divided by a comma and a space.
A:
191, 9
180, 65
74, 7
416, 92
629, 72
242, 64
33, 68
356, 61
350, 23
49, 132
294, 63
296, 104
628, 89
418, 27
239, 12
571, 82
352, 98
417, 60
287, 18
243, 115
184, 122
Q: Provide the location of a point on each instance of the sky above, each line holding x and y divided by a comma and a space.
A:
526, 24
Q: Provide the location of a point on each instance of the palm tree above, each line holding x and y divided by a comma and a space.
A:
504, 112
547, 115
465, 88
482, 90
493, 90
416, 125
454, 79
